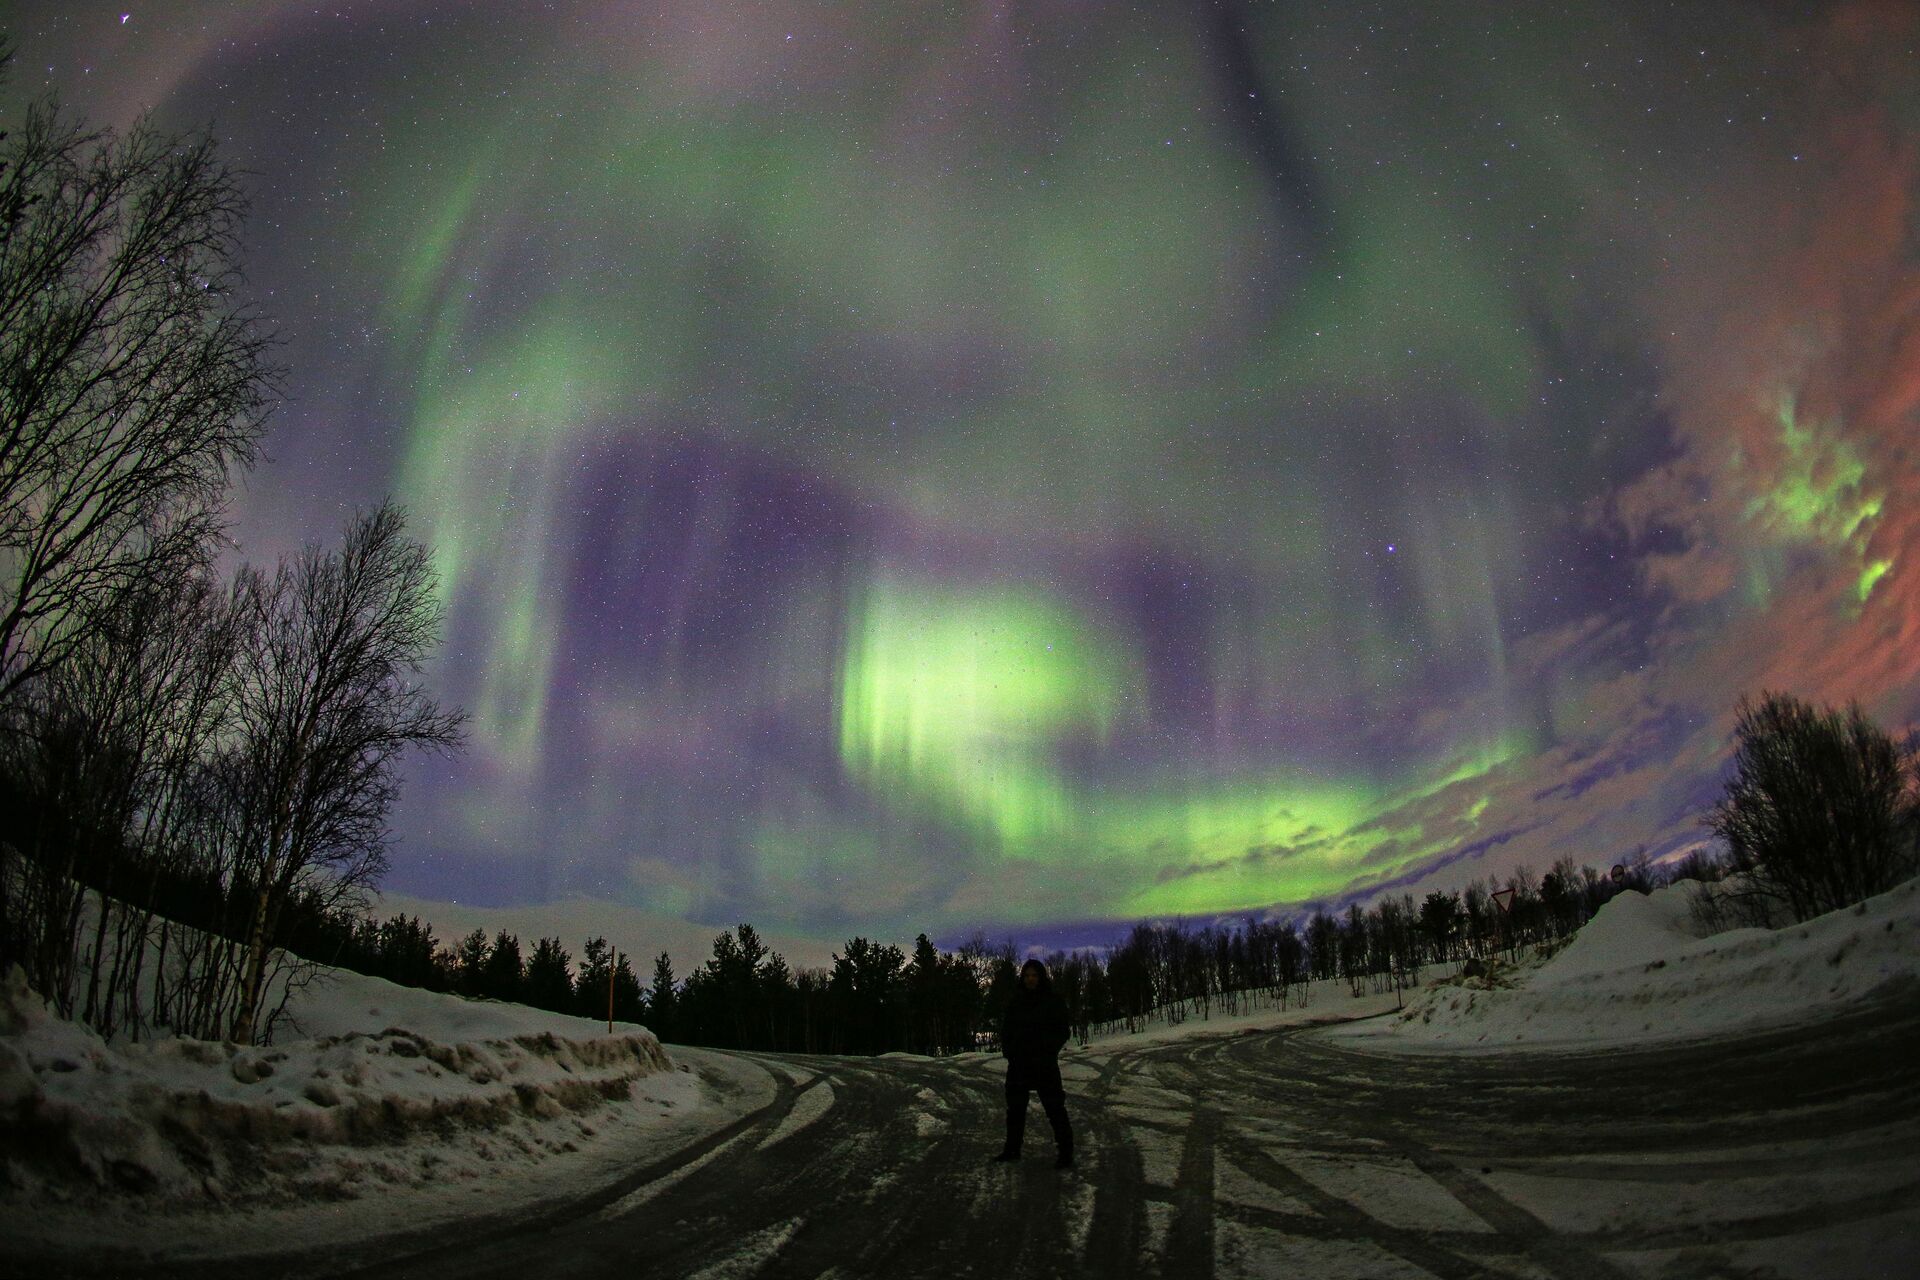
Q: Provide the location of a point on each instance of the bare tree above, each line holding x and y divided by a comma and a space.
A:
329, 699
1821, 808
99, 757
132, 379
178, 634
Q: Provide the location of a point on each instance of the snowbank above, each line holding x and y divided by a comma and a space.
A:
1638, 973
1322, 1002
393, 1087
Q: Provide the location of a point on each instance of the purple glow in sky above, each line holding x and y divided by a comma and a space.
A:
900, 467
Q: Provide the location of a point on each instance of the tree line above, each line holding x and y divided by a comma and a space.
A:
874, 998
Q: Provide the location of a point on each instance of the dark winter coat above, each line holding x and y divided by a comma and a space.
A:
1032, 1033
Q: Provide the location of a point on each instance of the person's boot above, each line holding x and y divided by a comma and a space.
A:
1065, 1159
1006, 1157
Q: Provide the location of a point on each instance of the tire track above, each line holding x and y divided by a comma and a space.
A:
1780, 1088
1558, 1254
692, 1224
910, 1205
675, 1232
1651, 1101
1205, 1067
1349, 1221
1813, 1217
1190, 1241
1116, 1237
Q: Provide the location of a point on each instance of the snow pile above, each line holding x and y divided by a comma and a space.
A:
1631, 931
395, 1087
1637, 973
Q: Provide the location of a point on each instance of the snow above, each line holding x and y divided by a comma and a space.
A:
1639, 973
1326, 1002
752, 1253
206, 1146
340, 1002
807, 1108
190, 1120
1634, 929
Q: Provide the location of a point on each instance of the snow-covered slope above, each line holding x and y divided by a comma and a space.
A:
339, 1002
1637, 973
389, 1087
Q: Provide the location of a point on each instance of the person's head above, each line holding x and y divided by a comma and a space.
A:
1033, 975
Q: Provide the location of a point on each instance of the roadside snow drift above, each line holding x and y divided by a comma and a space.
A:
394, 1088
1639, 973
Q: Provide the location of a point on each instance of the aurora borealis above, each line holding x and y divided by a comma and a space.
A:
1039, 465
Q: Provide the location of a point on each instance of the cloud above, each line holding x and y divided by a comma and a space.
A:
1778, 547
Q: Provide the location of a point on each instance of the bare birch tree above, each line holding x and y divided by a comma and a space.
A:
103, 761
329, 700
133, 380
1821, 809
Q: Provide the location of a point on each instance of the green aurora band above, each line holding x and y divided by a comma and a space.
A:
961, 700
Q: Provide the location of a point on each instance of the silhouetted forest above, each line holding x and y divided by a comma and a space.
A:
875, 998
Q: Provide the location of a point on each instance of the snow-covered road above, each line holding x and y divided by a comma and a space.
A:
1791, 1153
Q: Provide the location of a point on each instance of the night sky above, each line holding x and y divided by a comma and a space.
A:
902, 466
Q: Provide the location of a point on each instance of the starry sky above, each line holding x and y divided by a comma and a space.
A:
1039, 465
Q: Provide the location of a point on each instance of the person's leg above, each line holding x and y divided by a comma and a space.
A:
1017, 1091
1055, 1102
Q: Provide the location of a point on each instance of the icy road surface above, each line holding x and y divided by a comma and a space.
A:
1793, 1153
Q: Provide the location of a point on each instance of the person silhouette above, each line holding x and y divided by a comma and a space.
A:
1032, 1032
